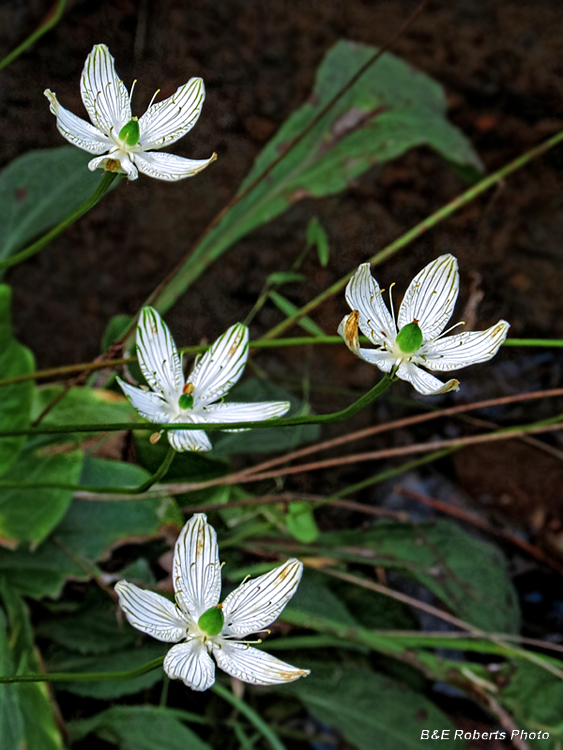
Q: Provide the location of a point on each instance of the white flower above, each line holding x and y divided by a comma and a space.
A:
416, 337
127, 141
214, 373
206, 626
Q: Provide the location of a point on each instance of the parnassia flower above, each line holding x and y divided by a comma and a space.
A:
127, 142
207, 627
214, 373
416, 337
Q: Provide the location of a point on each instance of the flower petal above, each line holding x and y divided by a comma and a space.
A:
378, 357
189, 440
431, 297
190, 663
103, 93
251, 665
150, 405
463, 349
257, 603
117, 161
76, 130
167, 121
151, 613
253, 412
196, 568
169, 167
364, 295
216, 371
424, 382
158, 357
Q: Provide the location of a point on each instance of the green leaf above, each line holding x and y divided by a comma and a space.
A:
534, 698
272, 439
15, 400
392, 108
285, 277
317, 237
34, 712
125, 659
300, 522
81, 405
467, 574
288, 309
370, 709
12, 736
139, 728
86, 534
313, 597
188, 466
40, 189
29, 515
92, 629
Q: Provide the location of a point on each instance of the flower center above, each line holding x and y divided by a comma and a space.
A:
129, 133
212, 621
186, 401
409, 337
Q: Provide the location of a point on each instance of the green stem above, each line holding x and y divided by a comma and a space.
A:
420, 229
39, 244
52, 20
261, 344
84, 676
156, 477
338, 416
251, 715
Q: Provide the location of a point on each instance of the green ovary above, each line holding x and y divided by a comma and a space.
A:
409, 338
186, 402
130, 132
211, 621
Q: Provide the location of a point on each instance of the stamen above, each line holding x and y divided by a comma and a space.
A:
461, 323
132, 89
156, 93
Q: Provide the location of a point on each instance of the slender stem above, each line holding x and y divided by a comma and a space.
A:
53, 17
338, 416
84, 676
420, 229
252, 716
35, 247
156, 477
105, 364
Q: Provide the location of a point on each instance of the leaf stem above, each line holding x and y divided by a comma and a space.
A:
35, 247
84, 676
338, 416
251, 715
52, 19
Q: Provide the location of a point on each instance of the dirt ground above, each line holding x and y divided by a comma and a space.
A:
501, 64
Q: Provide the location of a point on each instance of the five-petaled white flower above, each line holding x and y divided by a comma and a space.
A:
127, 141
206, 626
416, 337
214, 373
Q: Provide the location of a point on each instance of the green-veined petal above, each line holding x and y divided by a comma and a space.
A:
251, 412
431, 297
76, 130
190, 663
151, 613
364, 295
196, 571
158, 357
169, 167
103, 93
150, 405
167, 121
216, 371
463, 349
257, 603
423, 381
256, 667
